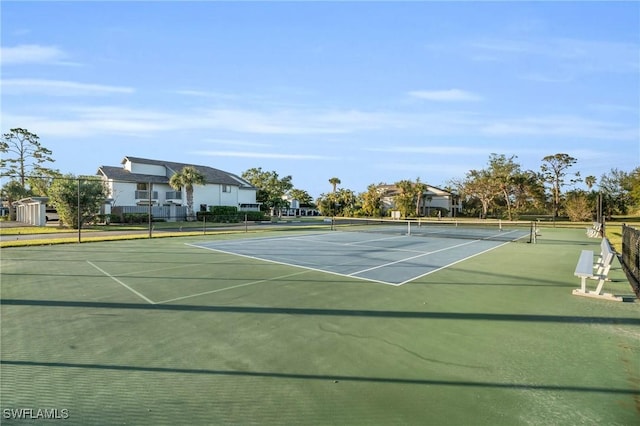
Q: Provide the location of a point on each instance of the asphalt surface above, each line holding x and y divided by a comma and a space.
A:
83, 234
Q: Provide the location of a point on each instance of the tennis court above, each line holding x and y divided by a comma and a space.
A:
287, 327
387, 254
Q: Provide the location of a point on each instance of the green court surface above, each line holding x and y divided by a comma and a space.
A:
169, 331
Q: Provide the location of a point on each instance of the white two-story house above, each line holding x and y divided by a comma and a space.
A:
433, 200
141, 181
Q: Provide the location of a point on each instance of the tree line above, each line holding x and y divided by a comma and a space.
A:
502, 189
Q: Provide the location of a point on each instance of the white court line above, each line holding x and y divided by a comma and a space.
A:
355, 274
260, 239
121, 283
334, 243
375, 239
365, 243
232, 287
412, 257
288, 264
453, 263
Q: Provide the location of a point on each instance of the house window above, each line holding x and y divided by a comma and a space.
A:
142, 186
226, 188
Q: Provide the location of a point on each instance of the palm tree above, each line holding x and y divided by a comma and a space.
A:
186, 178
334, 181
420, 189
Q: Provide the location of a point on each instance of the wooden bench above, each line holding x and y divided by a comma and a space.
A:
585, 269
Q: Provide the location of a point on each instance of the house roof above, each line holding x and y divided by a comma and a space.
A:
212, 175
119, 173
393, 189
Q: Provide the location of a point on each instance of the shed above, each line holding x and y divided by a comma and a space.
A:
32, 210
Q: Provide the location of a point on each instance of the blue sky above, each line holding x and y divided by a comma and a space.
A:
367, 92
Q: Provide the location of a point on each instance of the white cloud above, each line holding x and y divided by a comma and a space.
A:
58, 88
205, 94
278, 156
32, 54
440, 170
294, 122
562, 77
565, 126
94, 121
433, 150
580, 56
614, 108
394, 125
235, 142
451, 95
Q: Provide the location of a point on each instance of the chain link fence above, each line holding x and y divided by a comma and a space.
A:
631, 256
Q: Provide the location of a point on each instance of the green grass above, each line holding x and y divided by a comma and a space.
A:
495, 340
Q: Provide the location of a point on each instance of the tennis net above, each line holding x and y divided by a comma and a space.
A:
495, 230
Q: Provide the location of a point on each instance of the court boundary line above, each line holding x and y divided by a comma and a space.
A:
289, 264
362, 244
137, 293
454, 263
175, 299
366, 244
218, 290
415, 257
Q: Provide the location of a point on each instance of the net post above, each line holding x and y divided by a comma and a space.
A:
534, 232
531, 237
408, 227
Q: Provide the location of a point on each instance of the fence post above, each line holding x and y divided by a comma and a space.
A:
150, 209
79, 215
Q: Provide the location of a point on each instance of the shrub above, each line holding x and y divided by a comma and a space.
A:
578, 207
226, 214
223, 210
254, 216
135, 218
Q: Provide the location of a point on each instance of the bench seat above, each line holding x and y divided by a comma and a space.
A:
584, 268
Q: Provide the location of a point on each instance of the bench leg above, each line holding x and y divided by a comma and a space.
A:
600, 285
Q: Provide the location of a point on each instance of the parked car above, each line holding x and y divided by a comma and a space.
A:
51, 214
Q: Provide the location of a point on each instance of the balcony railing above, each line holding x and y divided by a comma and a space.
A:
174, 195
144, 195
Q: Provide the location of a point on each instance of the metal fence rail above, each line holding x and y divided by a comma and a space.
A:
157, 212
631, 255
